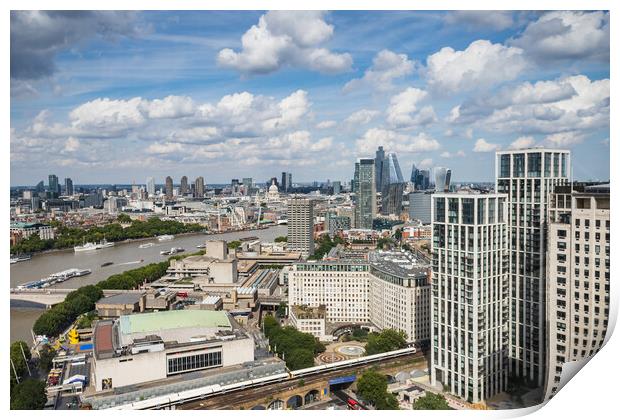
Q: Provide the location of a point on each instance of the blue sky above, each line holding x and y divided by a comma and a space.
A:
112, 97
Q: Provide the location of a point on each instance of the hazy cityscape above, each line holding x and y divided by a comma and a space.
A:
268, 254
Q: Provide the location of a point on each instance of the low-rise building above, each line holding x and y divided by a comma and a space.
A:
309, 320
120, 304
147, 347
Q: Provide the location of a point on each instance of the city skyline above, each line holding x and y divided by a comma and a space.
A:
105, 105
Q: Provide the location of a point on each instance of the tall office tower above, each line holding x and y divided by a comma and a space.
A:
289, 181
247, 185
393, 186
200, 187
337, 187
300, 226
150, 186
577, 277
414, 175
420, 206
285, 185
528, 176
442, 179
365, 193
168, 188
470, 294
379, 162
68, 186
184, 186
40, 187
425, 179
54, 187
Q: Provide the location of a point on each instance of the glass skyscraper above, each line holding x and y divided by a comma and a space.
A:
365, 193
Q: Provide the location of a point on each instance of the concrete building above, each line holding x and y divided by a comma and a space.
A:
169, 188
341, 286
216, 266
150, 187
420, 206
578, 257
400, 294
200, 187
309, 320
24, 230
334, 224
300, 226
528, 176
337, 187
469, 347
68, 186
120, 304
147, 347
365, 193
184, 189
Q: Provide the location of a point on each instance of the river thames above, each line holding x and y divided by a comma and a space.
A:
124, 256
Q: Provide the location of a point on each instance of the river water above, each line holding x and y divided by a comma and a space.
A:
124, 256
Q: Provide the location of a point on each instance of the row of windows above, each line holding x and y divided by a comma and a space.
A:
194, 362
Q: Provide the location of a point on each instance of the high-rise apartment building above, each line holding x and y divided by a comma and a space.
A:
578, 256
300, 226
393, 186
150, 186
379, 162
528, 176
184, 185
68, 186
54, 187
168, 188
365, 193
200, 187
442, 179
469, 346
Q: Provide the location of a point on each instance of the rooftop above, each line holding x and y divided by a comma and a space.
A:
156, 321
398, 263
121, 299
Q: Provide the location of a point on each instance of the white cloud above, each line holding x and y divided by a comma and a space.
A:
571, 35
170, 107
564, 139
481, 65
108, 114
361, 117
386, 66
71, 145
425, 164
284, 38
291, 108
323, 125
448, 155
395, 142
480, 19
403, 110
483, 146
522, 142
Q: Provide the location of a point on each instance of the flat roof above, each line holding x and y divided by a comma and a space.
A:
157, 321
121, 299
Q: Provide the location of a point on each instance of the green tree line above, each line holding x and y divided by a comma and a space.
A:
372, 387
325, 244
68, 237
386, 340
298, 349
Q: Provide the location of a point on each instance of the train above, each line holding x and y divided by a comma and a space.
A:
170, 400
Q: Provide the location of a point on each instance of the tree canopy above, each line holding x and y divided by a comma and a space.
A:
281, 239
386, 340
297, 348
17, 357
28, 395
372, 387
431, 402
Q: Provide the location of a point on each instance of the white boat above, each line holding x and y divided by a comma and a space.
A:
146, 245
201, 246
165, 237
88, 246
105, 244
19, 258
172, 251
13, 260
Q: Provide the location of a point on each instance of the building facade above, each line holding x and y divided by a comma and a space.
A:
168, 188
184, 185
68, 186
470, 294
420, 206
528, 176
442, 179
578, 277
300, 226
365, 193
200, 187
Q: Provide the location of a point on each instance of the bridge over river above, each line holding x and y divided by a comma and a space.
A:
50, 297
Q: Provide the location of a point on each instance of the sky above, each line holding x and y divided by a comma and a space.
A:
116, 97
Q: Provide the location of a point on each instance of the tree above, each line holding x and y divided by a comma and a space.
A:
281, 312
281, 239
17, 357
387, 340
431, 402
398, 234
28, 395
372, 387
123, 218
299, 358
270, 324
234, 244
46, 355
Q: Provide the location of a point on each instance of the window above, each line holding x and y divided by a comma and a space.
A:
519, 166
468, 211
194, 362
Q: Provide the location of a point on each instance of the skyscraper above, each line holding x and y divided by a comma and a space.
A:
54, 187
420, 206
300, 226
168, 187
285, 185
40, 187
393, 185
379, 161
365, 193
200, 187
289, 182
420, 178
247, 185
68, 186
528, 176
442, 179
184, 186
337, 187
578, 238
150, 186
470, 294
